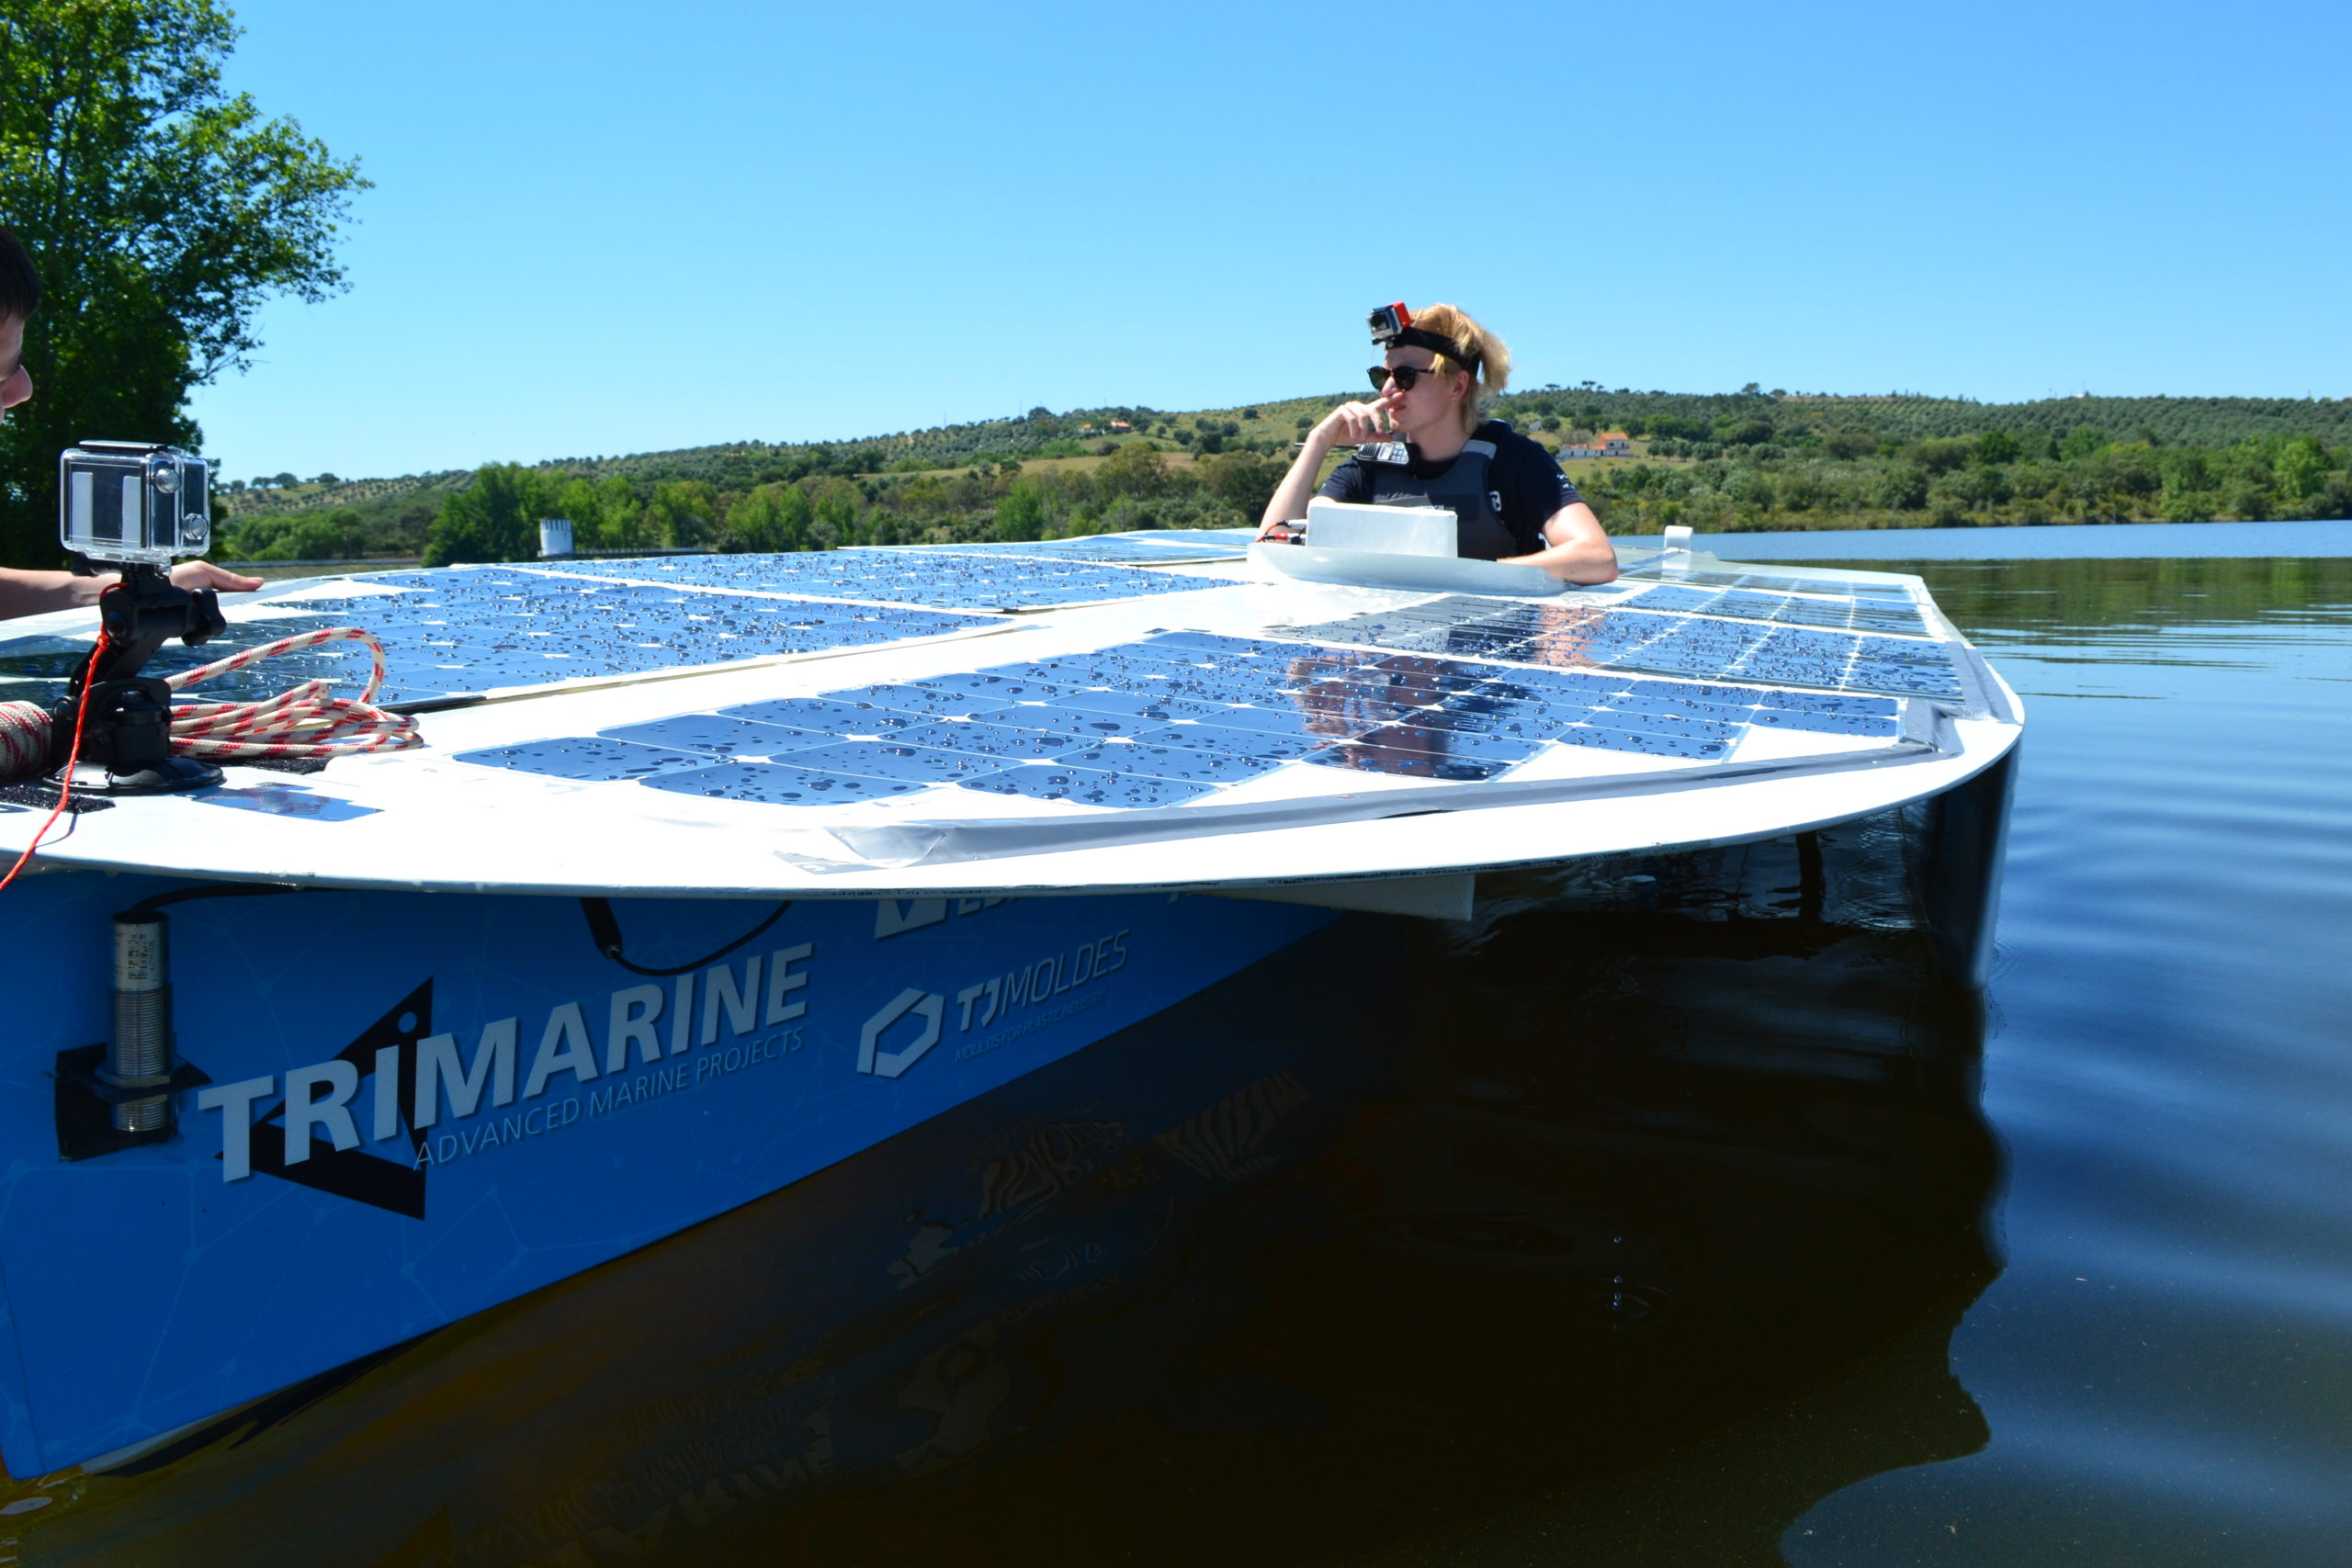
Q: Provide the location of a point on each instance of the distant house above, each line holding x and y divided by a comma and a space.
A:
1608, 444
1120, 428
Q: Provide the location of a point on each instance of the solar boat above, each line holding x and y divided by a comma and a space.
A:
712, 871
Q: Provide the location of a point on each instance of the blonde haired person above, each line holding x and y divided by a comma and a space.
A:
1510, 499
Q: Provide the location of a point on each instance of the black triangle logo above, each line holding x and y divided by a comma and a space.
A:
396, 1185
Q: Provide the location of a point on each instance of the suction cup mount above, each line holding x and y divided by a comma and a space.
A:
127, 726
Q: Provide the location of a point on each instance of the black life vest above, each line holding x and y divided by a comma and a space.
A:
1479, 532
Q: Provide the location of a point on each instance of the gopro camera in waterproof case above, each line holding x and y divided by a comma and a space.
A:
1389, 321
132, 501
138, 506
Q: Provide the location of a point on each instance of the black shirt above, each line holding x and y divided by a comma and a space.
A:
1531, 486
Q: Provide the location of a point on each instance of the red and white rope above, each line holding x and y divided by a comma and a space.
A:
24, 740
73, 755
301, 721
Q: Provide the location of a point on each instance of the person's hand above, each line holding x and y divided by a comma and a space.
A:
1353, 424
195, 574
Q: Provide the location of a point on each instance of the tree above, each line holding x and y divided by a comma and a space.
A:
2083, 441
1021, 515
1134, 470
495, 518
162, 211
1997, 447
773, 517
605, 515
683, 513
1243, 481
2301, 468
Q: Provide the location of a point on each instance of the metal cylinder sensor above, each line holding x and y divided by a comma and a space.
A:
139, 1052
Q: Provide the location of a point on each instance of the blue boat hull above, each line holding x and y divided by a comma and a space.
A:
418, 1106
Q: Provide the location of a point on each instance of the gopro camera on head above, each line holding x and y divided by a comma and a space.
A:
1389, 322
133, 502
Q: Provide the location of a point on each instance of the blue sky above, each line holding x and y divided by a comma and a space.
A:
601, 228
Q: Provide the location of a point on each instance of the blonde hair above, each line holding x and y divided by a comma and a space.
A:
1494, 359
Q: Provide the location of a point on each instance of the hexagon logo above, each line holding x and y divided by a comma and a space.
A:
881, 1063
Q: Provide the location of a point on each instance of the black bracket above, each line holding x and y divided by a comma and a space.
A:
125, 719
85, 1102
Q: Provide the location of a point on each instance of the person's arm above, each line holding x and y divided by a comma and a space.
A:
1350, 424
35, 592
1576, 550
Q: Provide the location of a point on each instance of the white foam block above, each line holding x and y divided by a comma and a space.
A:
1381, 530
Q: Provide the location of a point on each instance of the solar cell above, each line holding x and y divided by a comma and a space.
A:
775, 783
1646, 744
1089, 787
835, 719
1826, 722
1664, 724
1085, 723
1132, 704
1260, 743
1795, 610
1172, 763
990, 739
893, 759
1120, 548
913, 697
939, 580
718, 733
1769, 582
997, 688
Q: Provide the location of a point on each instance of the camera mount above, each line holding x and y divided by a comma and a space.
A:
125, 719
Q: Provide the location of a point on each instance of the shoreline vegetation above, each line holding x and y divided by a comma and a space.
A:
1743, 462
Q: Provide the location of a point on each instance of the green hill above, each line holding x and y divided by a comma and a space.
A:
1751, 459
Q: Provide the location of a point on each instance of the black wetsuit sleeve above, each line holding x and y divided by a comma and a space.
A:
1349, 482
1531, 486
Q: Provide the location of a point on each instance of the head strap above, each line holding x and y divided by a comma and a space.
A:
1420, 338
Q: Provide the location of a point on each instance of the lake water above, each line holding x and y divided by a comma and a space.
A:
1675, 1212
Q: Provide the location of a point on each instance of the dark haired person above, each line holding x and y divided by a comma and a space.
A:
1510, 501
31, 593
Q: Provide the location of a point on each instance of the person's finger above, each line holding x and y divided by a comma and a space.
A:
204, 574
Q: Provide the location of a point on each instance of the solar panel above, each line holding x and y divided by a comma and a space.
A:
50, 661
1700, 647
1104, 733
461, 630
938, 579
1770, 582
1874, 615
1125, 550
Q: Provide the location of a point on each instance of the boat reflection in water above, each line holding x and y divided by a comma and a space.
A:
1633, 1214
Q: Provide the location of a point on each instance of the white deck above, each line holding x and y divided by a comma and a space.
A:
427, 820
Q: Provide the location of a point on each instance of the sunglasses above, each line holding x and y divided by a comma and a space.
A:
1405, 376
